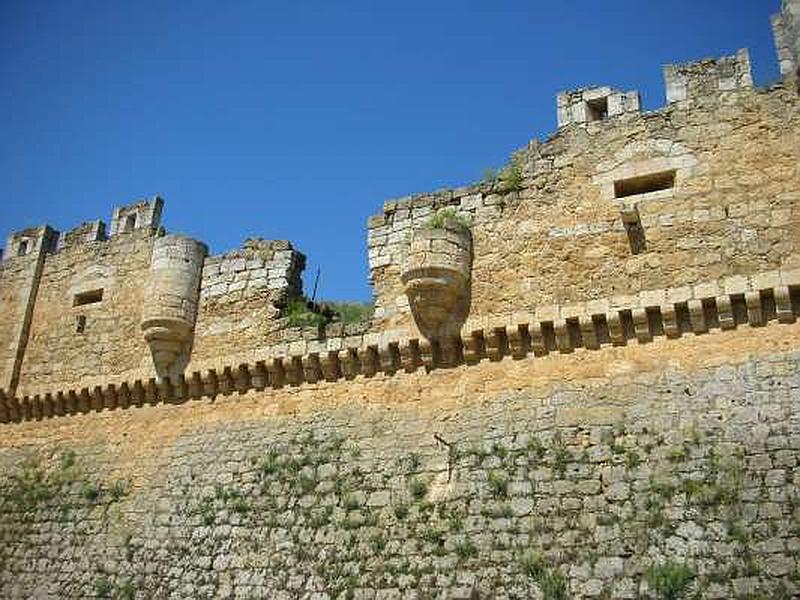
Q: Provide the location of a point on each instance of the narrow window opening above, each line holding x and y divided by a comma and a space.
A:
636, 237
22, 249
80, 324
597, 110
130, 223
644, 184
88, 297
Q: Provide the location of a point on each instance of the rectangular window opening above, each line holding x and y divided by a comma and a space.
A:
636, 237
88, 297
644, 184
597, 110
130, 223
22, 249
80, 324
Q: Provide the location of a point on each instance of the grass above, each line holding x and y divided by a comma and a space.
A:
465, 549
352, 312
448, 218
90, 492
400, 511
552, 584
670, 580
498, 483
29, 489
511, 175
270, 464
298, 314
561, 456
68, 458
103, 587
418, 488
118, 489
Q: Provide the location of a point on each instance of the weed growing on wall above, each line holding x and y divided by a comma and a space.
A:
670, 580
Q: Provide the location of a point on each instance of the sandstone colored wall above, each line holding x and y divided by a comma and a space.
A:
564, 476
58, 356
561, 239
20, 273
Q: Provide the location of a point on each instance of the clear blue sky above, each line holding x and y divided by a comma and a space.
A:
296, 120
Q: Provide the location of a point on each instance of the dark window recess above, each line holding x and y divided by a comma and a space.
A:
636, 237
80, 324
597, 110
88, 297
644, 184
130, 223
22, 249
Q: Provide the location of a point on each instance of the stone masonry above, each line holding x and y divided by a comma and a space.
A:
581, 380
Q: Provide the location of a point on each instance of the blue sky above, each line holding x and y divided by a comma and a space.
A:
296, 120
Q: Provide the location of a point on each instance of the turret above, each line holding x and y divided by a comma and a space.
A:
171, 295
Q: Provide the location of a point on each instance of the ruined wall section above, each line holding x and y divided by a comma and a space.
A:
86, 320
591, 220
786, 29
241, 296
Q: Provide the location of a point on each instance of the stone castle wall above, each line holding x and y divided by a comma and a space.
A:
568, 476
590, 391
73, 344
563, 237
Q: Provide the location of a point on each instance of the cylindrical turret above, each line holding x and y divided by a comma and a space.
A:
171, 296
436, 273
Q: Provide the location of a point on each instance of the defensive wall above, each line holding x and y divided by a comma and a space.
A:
581, 380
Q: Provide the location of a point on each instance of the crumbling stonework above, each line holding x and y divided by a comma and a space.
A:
786, 28
581, 380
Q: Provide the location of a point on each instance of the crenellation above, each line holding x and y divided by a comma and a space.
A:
91, 231
31, 242
595, 104
708, 77
142, 214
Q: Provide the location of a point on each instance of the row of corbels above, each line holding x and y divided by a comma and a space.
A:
493, 340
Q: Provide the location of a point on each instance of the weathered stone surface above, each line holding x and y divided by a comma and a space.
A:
620, 397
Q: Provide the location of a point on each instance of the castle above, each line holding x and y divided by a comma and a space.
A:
581, 379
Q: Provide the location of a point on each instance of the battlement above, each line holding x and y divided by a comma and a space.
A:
142, 214
30, 242
706, 77
587, 105
259, 265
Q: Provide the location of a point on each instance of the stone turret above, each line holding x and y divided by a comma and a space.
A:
436, 276
170, 309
